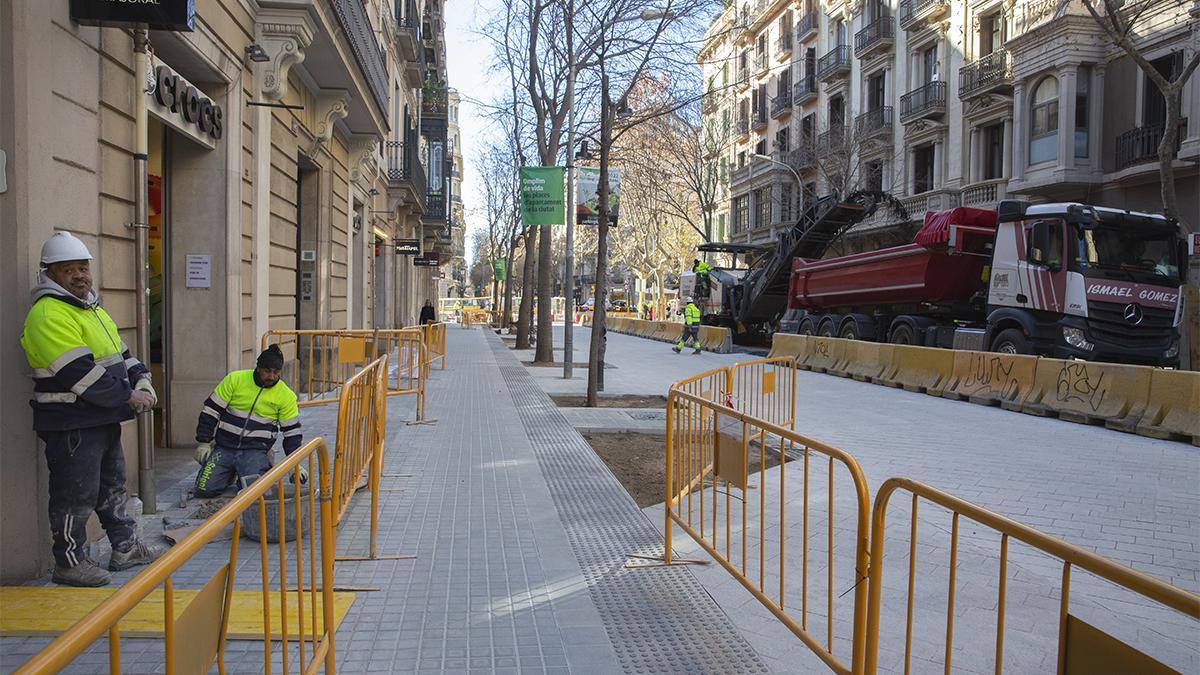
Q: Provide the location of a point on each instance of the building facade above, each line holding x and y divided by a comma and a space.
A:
274, 209
943, 104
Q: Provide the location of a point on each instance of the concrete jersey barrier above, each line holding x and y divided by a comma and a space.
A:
1149, 401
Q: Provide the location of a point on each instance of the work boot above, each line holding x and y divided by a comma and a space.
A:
675, 349
136, 554
696, 352
86, 574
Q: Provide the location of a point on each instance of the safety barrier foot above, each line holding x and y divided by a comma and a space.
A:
413, 423
659, 561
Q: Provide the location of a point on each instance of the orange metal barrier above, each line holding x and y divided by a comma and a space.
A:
1069, 555
765, 389
435, 343
191, 640
710, 449
319, 362
361, 427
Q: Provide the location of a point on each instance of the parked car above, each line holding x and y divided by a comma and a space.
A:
618, 306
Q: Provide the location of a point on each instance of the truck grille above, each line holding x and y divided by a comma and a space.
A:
1107, 322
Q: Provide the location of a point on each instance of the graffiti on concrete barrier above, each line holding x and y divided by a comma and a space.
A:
1075, 383
821, 348
990, 375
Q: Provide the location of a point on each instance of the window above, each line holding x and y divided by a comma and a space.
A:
741, 159
762, 207
785, 32
875, 176
837, 112
929, 65
810, 62
875, 91
808, 128
760, 147
923, 168
991, 36
785, 202
725, 74
1154, 105
993, 151
741, 213
1043, 121
839, 32
784, 85
721, 227
1082, 86
760, 51
783, 139
724, 169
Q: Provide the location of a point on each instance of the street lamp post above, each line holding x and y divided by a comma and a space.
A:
759, 155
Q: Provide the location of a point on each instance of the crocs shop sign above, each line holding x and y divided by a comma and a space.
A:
173, 15
180, 105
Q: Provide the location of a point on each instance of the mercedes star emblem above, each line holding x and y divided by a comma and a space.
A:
1133, 313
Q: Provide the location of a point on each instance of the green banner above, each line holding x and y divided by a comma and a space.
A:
542, 199
498, 269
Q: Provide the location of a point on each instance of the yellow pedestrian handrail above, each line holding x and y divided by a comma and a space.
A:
1070, 555
710, 447
319, 362
765, 389
191, 641
361, 425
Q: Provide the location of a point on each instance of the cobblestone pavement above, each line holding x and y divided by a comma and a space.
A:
1129, 498
520, 536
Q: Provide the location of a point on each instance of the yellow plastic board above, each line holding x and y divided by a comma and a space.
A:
50, 610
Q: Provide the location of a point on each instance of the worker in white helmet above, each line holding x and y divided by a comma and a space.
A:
691, 327
85, 384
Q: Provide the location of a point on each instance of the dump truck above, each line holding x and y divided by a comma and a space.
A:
1066, 280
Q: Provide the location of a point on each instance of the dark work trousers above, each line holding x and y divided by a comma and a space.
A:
225, 466
87, 473
691, 336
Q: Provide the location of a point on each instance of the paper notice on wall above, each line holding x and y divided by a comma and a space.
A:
199, 270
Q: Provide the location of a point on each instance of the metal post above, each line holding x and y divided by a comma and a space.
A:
141, 140
569, 211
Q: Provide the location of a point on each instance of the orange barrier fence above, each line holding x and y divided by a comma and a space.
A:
435, 343
710, 451
1081, 647
765, 389
196, 635
361, 426
319, 362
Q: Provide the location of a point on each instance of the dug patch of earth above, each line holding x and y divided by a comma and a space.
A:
621, 401
637, 462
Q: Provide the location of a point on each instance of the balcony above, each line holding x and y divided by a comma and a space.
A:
782, 104
760, 63
406, 176
434, 100
435, 209
835, 64
928, 101
1140, 145
878, 35
832, 140
708, 103
803, 157
933, 200
357, 27
759, 119
783, 46
877, 122
807, 26
406, 29
916, 14
804, 90
743, 126
743, 78
985, 193
990, 73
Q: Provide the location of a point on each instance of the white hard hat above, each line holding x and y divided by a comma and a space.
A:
64, 246
688, 299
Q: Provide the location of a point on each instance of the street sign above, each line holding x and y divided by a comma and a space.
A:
541, 195
430, 259
407, 247
174, 15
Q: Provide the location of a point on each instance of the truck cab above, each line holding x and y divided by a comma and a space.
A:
729, 263
1075, 281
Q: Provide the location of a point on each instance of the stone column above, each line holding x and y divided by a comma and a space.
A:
1008, 148
939, 158
1096, 118
974, 162
1021, 137
1066, 115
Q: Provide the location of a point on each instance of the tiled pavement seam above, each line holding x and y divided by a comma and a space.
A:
658, 619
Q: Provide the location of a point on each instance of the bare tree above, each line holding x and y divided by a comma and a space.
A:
1122, 21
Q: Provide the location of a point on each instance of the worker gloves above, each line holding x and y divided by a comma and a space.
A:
202, 452
303, 475
148, 397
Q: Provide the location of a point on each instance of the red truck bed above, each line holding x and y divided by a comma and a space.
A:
944, 266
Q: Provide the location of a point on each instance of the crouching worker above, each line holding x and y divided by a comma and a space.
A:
239, 422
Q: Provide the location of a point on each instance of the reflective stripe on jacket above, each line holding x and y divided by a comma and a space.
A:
240, 415
691, 314
83, 373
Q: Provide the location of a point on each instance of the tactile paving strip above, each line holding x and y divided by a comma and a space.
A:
658, 619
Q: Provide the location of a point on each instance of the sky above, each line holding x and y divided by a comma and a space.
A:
467, 59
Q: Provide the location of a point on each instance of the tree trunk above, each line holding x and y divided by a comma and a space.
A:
1166, 156
545, 295
596, 352
525, 311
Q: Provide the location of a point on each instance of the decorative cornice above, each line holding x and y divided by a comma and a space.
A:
284, 35
364, 159
332, 105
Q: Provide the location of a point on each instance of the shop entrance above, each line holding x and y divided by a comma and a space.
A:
159, 182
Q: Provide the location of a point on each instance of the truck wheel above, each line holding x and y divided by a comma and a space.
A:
850, 331
1011, 341
827, 329
903, 335
806, 328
